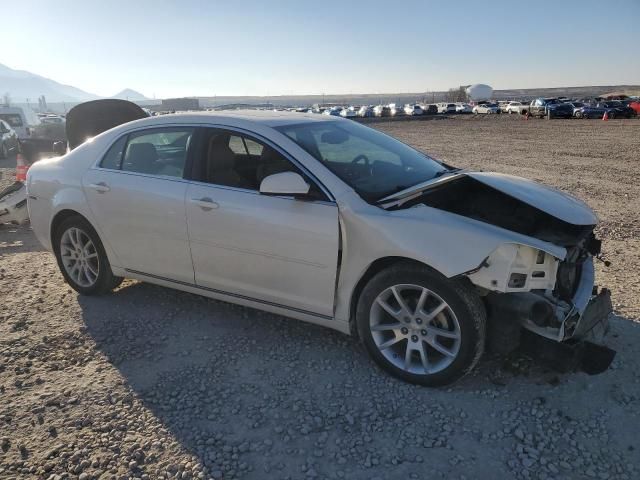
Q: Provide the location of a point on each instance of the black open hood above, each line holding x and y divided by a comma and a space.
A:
89, 119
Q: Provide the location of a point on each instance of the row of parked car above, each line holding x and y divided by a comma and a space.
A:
568, 108
392, 109
540, 107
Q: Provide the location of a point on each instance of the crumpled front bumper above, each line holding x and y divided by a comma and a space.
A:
579, 345
589, 316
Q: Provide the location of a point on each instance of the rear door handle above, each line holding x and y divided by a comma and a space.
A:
205, 203
100, 187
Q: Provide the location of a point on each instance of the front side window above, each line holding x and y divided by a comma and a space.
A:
372, 163
233, 160
157, 152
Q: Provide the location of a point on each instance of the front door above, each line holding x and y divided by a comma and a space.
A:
137, 197
276, 250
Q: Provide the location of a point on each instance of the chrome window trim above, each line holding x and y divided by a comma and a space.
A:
139, 174
256, 192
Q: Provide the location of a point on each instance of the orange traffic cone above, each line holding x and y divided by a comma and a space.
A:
526, 116
605, 117
21, 168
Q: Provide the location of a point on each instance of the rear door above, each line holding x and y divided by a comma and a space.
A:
137, 195
276, 250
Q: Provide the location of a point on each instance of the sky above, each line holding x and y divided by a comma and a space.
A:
282, 47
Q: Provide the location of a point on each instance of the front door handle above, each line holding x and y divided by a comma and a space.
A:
100, 187
205, 203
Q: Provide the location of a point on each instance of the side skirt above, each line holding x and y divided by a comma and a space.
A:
237, 299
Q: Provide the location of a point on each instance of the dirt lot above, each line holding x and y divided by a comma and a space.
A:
153, 383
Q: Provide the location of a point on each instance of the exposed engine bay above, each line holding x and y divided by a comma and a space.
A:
466, 196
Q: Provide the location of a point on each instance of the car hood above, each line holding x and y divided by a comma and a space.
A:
510, 202
550, 200
89, 119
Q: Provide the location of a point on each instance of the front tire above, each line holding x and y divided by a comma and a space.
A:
82, 259
420, 326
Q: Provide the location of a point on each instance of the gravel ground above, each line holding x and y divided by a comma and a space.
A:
154, 383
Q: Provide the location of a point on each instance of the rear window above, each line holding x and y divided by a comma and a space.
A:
113, 158
12, 119
160, 152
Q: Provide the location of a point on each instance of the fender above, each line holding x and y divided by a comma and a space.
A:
450, 244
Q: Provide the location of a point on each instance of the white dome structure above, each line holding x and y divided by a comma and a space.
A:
478, 92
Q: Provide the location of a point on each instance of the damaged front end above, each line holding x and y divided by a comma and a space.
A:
568, 315
544, 300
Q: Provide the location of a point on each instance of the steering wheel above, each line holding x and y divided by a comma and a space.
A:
361, 157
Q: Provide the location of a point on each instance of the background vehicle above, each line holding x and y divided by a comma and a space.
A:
588, 111
333, 111
22, 120
421, 312
486, 108
54, 119
516, 107
8, 140
542, 107
463, 108
446, 107
348, 113
635, 105
429, 109
382, 111
396, 110
576, 106
366, 111
413, 110
617, 109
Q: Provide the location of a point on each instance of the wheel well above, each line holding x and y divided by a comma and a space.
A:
60, 217
373, 269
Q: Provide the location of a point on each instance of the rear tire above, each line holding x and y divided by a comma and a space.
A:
82, 259
4, 151
420, 326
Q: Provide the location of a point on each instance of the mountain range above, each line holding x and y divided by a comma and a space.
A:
21, 85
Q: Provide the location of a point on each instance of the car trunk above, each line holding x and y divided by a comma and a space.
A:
89, 119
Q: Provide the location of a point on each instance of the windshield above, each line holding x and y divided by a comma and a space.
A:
373, 164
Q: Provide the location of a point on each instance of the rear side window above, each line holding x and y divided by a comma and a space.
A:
158, 152
113, 158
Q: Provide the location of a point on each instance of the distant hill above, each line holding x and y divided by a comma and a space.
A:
131, 95
22, 85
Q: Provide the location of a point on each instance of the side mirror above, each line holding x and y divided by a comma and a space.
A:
285, 183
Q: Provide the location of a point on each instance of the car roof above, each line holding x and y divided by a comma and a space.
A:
263, 117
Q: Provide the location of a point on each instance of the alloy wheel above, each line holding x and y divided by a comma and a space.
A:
79, 257
415, 329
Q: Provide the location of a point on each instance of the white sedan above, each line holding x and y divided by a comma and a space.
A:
323, 220
485, 108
